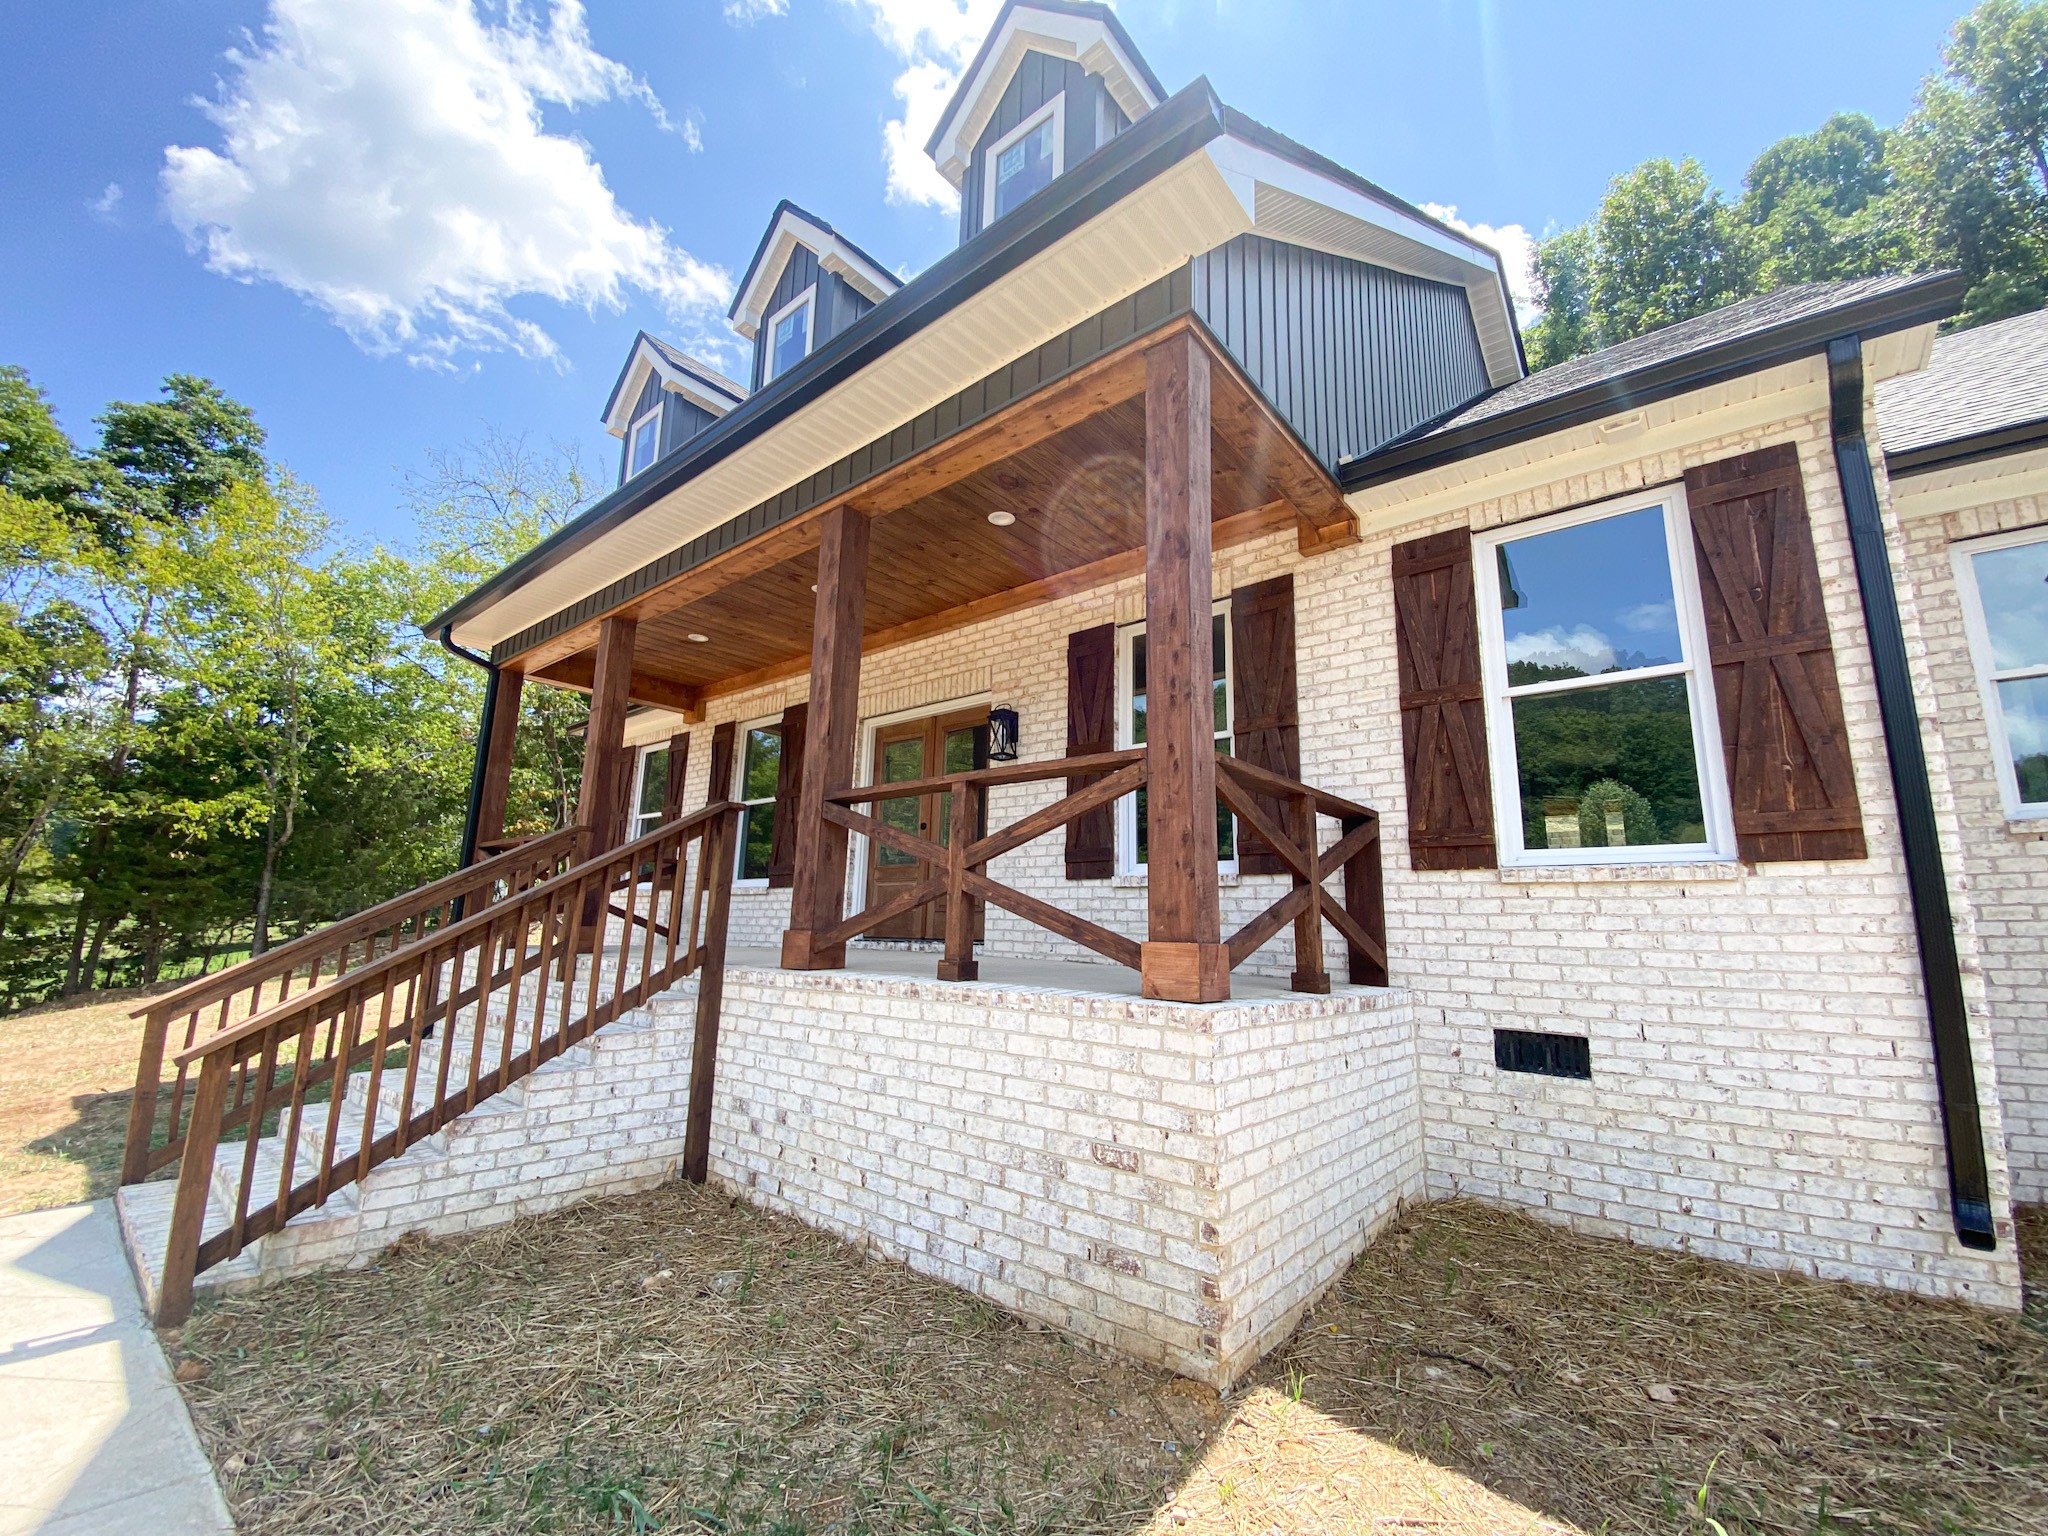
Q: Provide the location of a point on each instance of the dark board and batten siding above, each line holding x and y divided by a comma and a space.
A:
1350, 355
837, 306
681, 420
1092, 120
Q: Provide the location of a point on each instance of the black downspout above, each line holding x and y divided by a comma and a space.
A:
483, 744
1941, 973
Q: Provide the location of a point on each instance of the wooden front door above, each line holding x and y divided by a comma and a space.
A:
920, 749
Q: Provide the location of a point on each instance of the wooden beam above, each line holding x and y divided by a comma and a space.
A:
1184, 958
579, 673
497, 751
818, 888
601, 807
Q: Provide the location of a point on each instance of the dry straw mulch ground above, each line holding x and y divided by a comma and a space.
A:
676, 1361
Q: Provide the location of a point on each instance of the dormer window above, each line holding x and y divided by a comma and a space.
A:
643, 442
1027, 158
789, 334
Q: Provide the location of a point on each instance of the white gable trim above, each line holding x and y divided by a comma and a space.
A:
834, 255
1049, 32
647, 359
1302, 206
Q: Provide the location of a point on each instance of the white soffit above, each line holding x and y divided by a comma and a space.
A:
648, 359
1165, 223
1959, 487
1049, 32
1301, 206
834, 255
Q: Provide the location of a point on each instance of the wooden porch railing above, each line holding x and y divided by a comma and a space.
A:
319, 1094
208, 1005
957, 869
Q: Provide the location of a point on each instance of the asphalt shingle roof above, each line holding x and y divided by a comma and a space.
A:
1977, 381
1747, 317
689, 364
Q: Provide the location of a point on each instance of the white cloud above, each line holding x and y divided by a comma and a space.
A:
935, 39
1581, 646
387, 160
744, 13
107, 206
693, 131
1649, 618
1517, 248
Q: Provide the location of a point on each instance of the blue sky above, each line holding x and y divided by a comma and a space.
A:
260, 191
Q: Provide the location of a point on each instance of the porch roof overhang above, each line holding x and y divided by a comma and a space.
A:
1187, 178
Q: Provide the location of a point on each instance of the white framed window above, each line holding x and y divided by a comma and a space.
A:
643, 442
650, 790
1131, 828
2004, 586
757, 769
1025, 159
789, 334
1606, 748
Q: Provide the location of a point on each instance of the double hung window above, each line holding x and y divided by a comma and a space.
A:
2004, 584
1025, 159
1133, 841
1599, 700
789, 335
759, 768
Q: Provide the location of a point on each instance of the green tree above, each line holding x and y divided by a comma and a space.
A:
171, 459
1564, 287
1666, 249
1816, 207
37, 459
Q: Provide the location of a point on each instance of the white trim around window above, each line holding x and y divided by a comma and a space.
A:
1693, 666
641, 820
1127, 635
635, 461
743, 735
808, 302
1993, 679
1056, 110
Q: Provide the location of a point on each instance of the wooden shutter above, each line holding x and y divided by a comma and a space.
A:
678, 774
1443, 711
1265, 719
789, 780
724, 741
1091, 727
1789, 774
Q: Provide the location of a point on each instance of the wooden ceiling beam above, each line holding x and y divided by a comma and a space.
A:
579, 673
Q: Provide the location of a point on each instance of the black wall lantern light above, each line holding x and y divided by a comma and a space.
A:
1002, 734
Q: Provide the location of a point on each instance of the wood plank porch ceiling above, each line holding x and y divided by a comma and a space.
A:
1067, 461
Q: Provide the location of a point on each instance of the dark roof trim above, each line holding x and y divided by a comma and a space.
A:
716, 383
1995, 444
1252, 131
768, 235
1935, 298
1162, 138
1085, 9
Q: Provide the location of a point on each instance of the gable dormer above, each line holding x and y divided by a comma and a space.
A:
663, 398
806, 284
1054, 82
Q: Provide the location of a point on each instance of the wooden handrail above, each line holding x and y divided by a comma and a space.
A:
388, 926
1008, 773
501, 991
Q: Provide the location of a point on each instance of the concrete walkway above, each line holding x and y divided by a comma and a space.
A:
94, 1435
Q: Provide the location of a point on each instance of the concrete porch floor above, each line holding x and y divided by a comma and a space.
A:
1078, 977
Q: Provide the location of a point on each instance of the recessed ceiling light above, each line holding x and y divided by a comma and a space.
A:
814, 586
696, 639
1002, 519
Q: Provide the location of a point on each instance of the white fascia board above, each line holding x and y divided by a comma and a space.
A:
1080, 38
647, 360
833, 254
1362, 227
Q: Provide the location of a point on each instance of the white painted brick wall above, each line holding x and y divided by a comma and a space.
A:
2006, 863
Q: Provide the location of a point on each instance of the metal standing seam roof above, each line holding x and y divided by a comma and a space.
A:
1981, 380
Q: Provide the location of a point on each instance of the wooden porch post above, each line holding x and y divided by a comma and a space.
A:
601, 805
490, 805
1184, 959
818, 884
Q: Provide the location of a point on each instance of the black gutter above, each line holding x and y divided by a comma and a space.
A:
1934, 926
1898, 309
1160, 139
483, 745
1993, 444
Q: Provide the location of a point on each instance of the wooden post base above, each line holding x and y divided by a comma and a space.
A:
802, 952
1309, 981
959, 970
1185, 973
